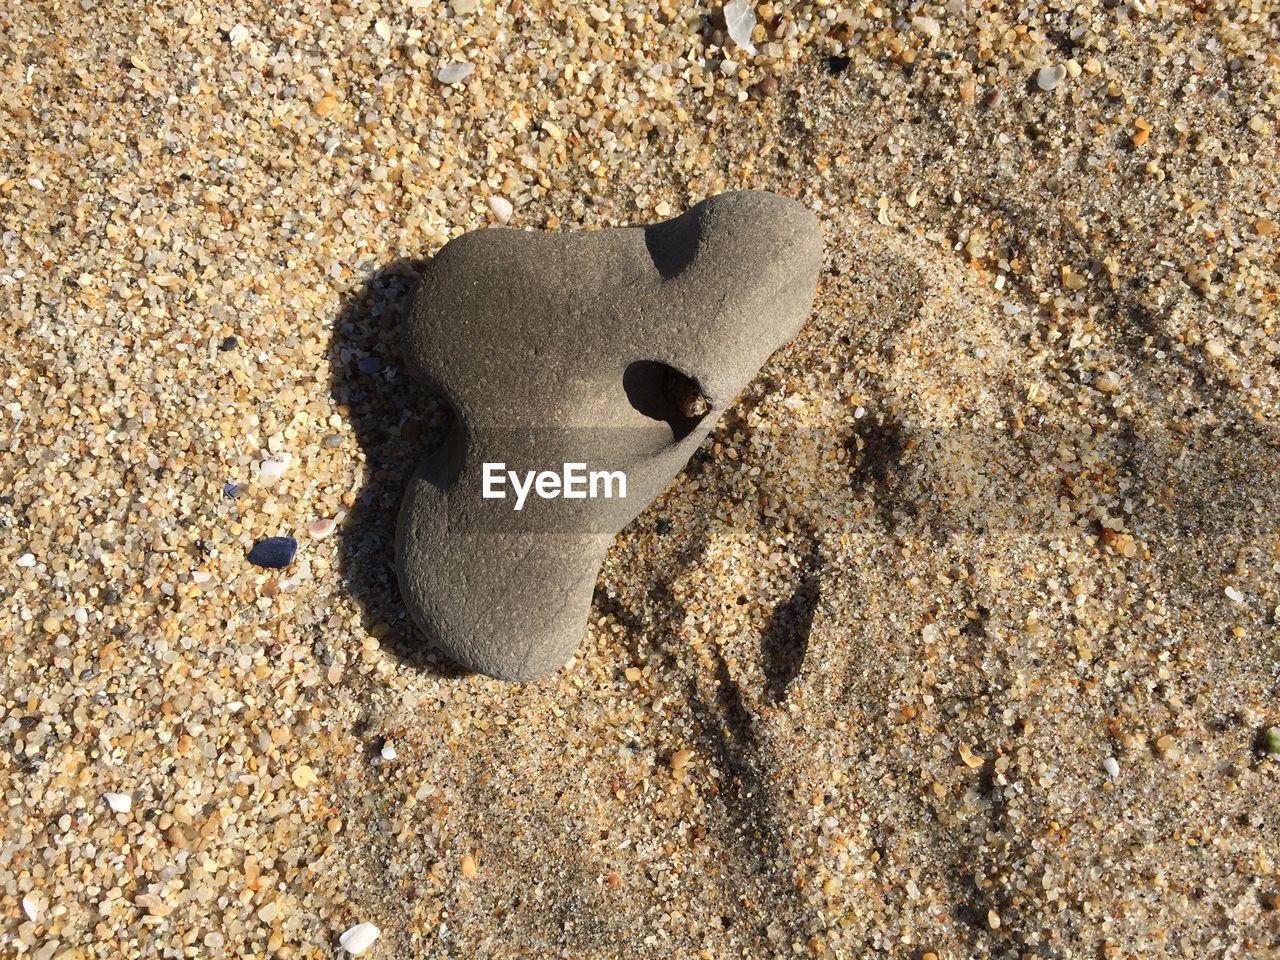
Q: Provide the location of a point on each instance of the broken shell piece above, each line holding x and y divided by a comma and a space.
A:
322, 528
356, 940
273, 468
740, 20
501, 209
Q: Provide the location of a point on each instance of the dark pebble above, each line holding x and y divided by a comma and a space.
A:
370, 365
766, 88
837, 64
230, 343
232, 491
273, 552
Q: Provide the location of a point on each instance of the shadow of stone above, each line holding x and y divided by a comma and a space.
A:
785, 639
727, 733
396, 421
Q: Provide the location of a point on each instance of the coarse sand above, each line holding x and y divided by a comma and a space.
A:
958, 638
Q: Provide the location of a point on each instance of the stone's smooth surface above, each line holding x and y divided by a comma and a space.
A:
616, 348
273, 552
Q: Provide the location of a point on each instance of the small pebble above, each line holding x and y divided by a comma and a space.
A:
926, 27
370, 365
469, 868
273, 552
232, 491
326, 105
767, 87
303, 776
26, 560
1271, 742
119, 802
333, 441
229, 343
356, 940
970, 759
1112, 766
388, 752
1108, 383
1234, 594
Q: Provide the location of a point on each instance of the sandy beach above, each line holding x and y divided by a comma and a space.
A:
960, 636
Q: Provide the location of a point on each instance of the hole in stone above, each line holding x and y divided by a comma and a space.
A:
661, 392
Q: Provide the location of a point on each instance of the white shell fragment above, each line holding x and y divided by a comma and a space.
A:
926, 27
1049, 77
740, 18
26, 560
33, 906
272, 469
501, 208
119, 802
455, 72
1112, 766
359, 938
388, 752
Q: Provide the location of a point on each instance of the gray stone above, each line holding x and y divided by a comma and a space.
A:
618, 349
